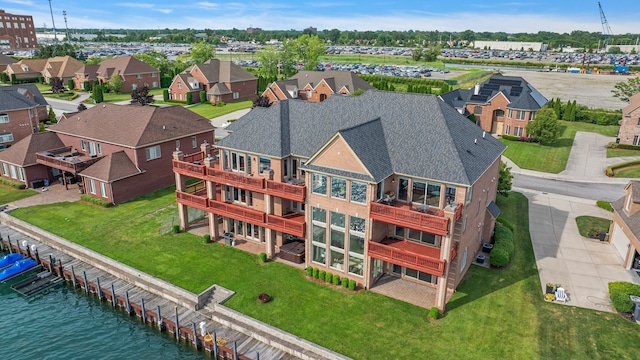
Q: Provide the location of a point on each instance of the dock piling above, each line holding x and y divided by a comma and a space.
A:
257, 355
235, 351
215, 345
26, 245
160, 324
177, 324
114, 302
143, 311
86, 283
73, 278
60, 272
99, 288
195, 336
37, 257
10, 247
126, 296
50, 263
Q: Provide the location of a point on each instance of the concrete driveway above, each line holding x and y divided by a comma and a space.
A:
583, 267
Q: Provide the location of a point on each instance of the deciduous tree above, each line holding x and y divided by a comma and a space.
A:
504, 179
57, 86
201, 52
545, 127
116, 83
626, 89
141, 96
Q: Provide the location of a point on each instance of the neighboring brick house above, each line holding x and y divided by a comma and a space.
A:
17, 32
391, 185
315, 86
116, 152
86, 73
222, 80
21, 109
63, 67
4, 61
629, 132
133, 72
625, 227
502, 105
27, 69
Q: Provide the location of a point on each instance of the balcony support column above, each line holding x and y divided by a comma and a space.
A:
180, 180
183, 214
268, 209
214, 228
441, 294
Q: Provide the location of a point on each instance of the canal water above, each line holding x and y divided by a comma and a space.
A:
65, 323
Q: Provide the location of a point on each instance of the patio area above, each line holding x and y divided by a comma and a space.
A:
404, 290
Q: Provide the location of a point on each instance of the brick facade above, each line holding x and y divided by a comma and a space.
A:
629, 132
17, 32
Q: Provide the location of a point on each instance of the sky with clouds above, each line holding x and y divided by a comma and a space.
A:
507, 16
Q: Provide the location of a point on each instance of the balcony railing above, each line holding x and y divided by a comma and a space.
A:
395, 252
189, 169
404, 216
237, 212
66, 159
295, 192
195, 201
236, 179
294, 225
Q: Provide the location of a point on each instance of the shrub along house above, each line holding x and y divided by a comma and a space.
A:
22, 107
315, 86
390, 185
502, 105
115, 152
221, 80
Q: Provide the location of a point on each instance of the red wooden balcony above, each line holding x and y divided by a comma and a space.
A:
292, 224
290, 191
189, 169
192, 200
432, 221
237, 212
408, 254
236, 179
66, 159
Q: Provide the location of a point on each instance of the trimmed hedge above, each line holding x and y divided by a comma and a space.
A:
510, 138
352, 284
623, 146
13, 184
345, 282
165, 94
328, 278
103, 203
499, 257
504, 223
434, 312
503, 248
619, 292
263, 257
316, 273
309, 271
206, 238
175, 229
611, 169
322, 275
336, 279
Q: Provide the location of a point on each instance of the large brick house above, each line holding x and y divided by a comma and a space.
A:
625, 227
17, 32
133, 72
21, 109
222, 80
390, 185
502, 105
63, 67
115, 152
87, 73
4, 61
315, 86
629, 132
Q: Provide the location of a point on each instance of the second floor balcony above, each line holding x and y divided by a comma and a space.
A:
426, 219
66, 159
408, 254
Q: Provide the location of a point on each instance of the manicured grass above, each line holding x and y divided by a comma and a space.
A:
551, 158
592, 224
494, 314
9, 194
604, 205
611, 153
628, 172
210, 111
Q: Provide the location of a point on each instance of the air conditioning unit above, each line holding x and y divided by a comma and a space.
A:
267, 174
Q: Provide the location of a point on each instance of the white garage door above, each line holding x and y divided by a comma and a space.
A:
620, 241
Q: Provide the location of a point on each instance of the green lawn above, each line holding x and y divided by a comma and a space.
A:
210, 111
611, 153
8, 194
628, 172
592, 224
495, 314
551, 158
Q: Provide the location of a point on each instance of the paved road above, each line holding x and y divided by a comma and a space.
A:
585, 190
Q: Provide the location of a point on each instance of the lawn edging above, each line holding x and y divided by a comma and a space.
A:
612, 168
140, 279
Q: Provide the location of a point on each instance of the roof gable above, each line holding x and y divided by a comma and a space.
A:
23, 153
337, 150
112, 167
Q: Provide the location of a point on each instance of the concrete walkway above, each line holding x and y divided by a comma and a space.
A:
54, 193
583, 267
221, 122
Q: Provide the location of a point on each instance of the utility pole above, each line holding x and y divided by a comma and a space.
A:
64, 14
55, 35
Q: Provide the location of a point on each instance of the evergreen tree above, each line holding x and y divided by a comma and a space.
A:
52, 116
97, 93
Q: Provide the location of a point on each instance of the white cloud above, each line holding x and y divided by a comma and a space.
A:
21, 2
207, 5
164, 11
136, 5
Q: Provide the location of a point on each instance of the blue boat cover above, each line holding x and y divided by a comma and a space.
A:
17, 268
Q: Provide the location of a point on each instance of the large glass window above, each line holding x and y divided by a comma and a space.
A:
264, 164
237, 161
433, 194
356, 244
403, 189
356, 224
337, 238
319, 215
423, 237
338, 188
4, 118
319, 184
358, 192
337, 259
419, 275
319, 234
450, 193
103, 190
5, 170
337, 220
355, 265
418, 192
318, 253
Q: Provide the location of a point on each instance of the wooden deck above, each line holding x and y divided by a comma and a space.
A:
75, 272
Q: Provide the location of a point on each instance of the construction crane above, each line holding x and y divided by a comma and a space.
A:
606, 30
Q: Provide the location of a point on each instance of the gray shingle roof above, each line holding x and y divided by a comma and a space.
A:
521, 94
421, 135
13, 97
